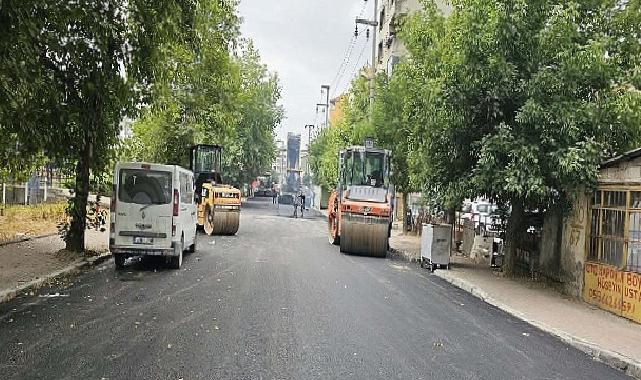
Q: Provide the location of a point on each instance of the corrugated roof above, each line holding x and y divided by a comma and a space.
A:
627, 156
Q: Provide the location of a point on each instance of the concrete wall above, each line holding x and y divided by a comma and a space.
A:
628, 172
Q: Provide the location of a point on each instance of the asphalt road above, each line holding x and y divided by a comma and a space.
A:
274, 302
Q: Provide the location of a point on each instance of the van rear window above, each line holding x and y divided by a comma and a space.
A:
144, 187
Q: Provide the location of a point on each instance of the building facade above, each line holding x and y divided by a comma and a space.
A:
594, 252
390, 16
280, 161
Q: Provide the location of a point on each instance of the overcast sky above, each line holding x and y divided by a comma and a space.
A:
305, 41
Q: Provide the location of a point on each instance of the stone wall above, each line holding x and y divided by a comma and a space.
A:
573, 246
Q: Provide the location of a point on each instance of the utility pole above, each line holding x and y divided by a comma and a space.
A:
374, 24
310, 129
325, 88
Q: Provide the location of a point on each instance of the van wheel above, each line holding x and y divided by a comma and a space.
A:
192, 248
175, 262
120, 259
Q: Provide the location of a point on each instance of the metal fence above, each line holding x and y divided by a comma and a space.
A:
45, 185
26, 193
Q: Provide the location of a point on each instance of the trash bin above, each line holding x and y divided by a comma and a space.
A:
436, 246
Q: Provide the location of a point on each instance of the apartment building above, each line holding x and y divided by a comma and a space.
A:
390, 15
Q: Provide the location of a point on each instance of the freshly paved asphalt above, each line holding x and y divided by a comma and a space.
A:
274, 302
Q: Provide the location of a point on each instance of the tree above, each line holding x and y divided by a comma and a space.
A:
193, 99
251, 148
391, 114
522, 99
76, 52
350, 130
70, 71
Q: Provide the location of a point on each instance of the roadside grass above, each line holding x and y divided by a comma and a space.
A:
31, 220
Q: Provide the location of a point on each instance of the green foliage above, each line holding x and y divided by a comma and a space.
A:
70, 72
519, 100
213, 96
197, 82
391, 124
250, 148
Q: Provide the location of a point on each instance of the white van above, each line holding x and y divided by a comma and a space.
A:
153, 212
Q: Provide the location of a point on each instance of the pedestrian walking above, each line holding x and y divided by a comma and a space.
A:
274, 196
295, 202
302, 203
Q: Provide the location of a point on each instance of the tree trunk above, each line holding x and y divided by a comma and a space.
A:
450, 216
515, 230
76, 236
404, 216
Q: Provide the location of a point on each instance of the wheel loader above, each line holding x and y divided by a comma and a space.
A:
218, 203
360, 208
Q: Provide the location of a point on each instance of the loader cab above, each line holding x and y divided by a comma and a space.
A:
364, 174
205, 162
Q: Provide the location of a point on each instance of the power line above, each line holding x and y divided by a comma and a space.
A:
348, 53
355, 68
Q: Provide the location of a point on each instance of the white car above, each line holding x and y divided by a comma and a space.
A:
153, 212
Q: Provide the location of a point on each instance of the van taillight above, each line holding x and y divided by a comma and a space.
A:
112, 204
176, 200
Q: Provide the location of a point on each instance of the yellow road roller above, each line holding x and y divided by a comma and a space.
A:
218, 203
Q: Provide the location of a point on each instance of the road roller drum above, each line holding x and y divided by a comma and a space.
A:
221, 222
367, 236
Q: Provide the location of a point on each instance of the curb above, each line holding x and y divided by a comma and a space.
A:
613, 359
397, 254
317, 213
8, 295
27, 238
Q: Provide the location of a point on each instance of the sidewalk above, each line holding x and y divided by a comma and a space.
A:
604, 336
29, 264
407, 247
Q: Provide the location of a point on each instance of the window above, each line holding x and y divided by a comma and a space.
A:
483, 208
615, 229
144, 187
186, 189
366, 169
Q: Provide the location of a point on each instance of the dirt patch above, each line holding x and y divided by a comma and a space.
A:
26, 221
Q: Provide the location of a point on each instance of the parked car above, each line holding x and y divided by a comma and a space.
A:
153, 212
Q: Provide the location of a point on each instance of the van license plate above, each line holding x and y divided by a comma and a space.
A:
143, 240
